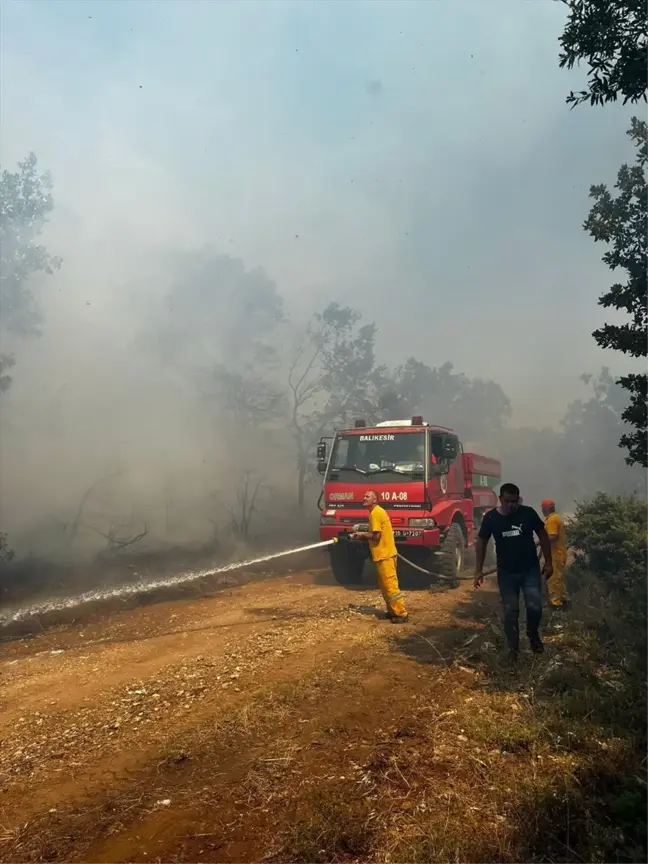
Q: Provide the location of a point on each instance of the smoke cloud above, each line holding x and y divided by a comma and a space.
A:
414, 161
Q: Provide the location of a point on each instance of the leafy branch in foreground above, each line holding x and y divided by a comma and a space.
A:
610, 36
620, 221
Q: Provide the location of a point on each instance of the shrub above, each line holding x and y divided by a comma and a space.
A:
608, 536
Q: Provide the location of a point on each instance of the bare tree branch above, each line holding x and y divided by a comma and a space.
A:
73, 527
114, 542
242, 514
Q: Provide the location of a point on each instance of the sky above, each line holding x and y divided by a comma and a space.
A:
416, 160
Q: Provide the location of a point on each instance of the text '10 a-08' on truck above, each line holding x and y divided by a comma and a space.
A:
434, 492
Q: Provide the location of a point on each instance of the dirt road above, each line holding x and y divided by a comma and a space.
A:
202, 729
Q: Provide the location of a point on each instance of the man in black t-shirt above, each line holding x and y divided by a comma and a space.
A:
513, 525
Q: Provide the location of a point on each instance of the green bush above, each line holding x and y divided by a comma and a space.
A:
608, 536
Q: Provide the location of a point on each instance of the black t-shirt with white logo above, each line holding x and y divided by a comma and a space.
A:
513, 535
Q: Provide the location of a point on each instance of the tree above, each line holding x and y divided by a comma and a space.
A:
7, 361
218, 329
471, 406
532, 458
242, 512
25, 203
610, 36
620, 221
331, 379
576, 459
216, 311
245, 394
6, 554
591, 428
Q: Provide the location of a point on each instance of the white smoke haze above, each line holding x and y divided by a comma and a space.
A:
414, 161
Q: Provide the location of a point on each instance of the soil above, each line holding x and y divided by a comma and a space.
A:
191, 729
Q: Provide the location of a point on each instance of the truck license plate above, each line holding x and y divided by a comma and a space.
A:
403, 535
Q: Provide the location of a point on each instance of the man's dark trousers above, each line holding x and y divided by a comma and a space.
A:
529, 582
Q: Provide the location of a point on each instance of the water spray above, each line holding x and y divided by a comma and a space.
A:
143, 586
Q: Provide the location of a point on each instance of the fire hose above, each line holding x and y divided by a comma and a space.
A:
437, 575
346, 536
445, 578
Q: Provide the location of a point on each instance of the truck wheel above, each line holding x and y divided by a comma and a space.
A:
452, 555
347, 563
410, 577
490, 560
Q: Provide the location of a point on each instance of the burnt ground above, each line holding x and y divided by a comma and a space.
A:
281, 720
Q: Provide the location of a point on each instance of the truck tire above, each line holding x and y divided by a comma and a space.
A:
347, 563
408, 576
490, 560
452, 554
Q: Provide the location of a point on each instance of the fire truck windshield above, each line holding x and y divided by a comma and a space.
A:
381, 456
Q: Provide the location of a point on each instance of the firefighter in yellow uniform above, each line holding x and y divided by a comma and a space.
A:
556, 530
383, 552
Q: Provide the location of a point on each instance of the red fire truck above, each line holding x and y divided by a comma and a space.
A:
434, 492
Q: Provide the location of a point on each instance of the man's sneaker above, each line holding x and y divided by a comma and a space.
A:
537, 645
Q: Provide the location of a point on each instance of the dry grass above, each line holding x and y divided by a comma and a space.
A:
469, 763
330, 826
254, 744
547, 765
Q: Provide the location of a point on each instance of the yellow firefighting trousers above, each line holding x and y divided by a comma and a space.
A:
556, 584
388, 584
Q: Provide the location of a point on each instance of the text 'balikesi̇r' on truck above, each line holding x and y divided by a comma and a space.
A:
434, 492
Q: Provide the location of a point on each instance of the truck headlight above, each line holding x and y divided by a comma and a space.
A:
327, 520
426, 522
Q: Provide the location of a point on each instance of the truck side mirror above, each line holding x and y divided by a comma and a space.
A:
321, 452
450, 449
321, 466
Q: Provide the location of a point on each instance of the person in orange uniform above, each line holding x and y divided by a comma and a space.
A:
555, 528
383, 552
